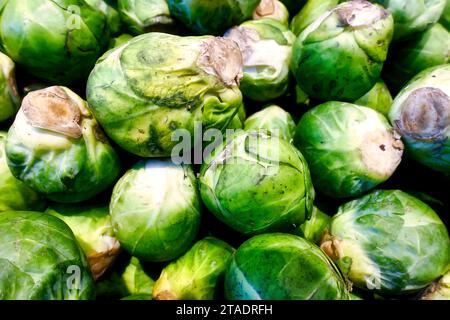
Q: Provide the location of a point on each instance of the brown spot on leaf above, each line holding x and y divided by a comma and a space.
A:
52, 109
425, 115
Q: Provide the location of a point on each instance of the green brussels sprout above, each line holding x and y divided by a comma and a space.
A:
445, 17
273, 119
256, 183
198, 274
109, 9
350, 149
91, 225
212, 17
14, 194
421, 114
341, 54
378, 98
281, 266
9, 96
120, 40
155, 210
427, 49
266, 47
412, 16
314, 228
312, 10
57, 148
41, 260
388, 242
142, 16
144, 90
129, 282
439, 290
293, 5
272, 9
54, 40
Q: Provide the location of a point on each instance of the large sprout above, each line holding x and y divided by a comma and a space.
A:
146, 89
341, 54
212, 17
55, 40
350, 149
91, 225
266, 47
40, 259
198, 274
273, 119
413, 16
407, 58
279, 267
14, 194
56, 147
421, 113
9, 96
155, 209
142, 16
256, 183
388, 242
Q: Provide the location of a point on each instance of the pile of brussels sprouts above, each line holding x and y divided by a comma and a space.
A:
226, 149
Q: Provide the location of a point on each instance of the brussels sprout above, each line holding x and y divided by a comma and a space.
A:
312, 10
272, 9
142, 16
120, 40
341, 54
350, 149
155, 209
91, 225
41, 260
130, 281
57, 148
280, 266
212, 17
421, 113
157, 83
266, 47
427, 49
378, 98
314, 228
439, 290
412, 16
14, 194
445, 18
9, 97
255, 183
273, 119
54, 40
198, 274
388, 242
